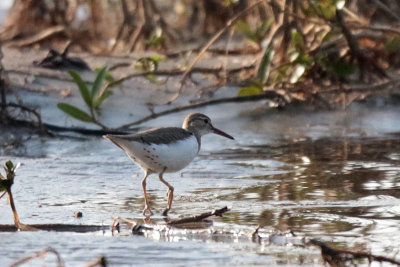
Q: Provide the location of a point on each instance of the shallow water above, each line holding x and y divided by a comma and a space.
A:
333, 176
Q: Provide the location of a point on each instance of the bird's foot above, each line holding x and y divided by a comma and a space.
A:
147, 211
165, 212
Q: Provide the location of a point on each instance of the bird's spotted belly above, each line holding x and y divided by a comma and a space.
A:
171, 157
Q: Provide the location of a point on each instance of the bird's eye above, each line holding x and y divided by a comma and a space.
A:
205, 121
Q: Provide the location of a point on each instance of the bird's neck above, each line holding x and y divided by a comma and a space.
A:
196, 134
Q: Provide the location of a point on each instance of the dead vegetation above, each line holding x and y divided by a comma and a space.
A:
320, 54
311, 52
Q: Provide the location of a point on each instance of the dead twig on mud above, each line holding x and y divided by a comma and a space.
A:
199, 218
176, 72
343, 257
60, 262
27, 109
218, 51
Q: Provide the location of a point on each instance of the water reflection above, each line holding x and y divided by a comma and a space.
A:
342, 190
331, 188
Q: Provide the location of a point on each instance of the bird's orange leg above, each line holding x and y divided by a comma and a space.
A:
146, 211
170, 192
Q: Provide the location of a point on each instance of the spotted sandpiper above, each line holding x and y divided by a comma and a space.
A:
166, 149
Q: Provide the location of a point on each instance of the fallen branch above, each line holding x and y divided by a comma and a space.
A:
199, 218
56, 227
339, 257
48, 128
46, 33
235, 99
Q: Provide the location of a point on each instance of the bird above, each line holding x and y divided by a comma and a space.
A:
166, 150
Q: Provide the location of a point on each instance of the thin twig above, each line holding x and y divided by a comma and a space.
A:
142, 20
218, 51
25, 108
176, 72
386, 9
363, 88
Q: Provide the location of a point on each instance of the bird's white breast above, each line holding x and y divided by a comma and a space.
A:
155, 157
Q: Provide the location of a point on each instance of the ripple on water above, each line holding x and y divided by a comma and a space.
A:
347, 191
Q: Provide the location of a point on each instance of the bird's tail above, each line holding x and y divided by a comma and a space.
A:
117, 141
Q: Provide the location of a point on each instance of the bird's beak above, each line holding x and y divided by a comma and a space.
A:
219, 132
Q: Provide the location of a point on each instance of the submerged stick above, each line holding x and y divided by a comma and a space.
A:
199, 218
339, 257
60, 262
102, 261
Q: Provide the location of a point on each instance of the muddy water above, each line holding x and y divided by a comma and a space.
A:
334, 176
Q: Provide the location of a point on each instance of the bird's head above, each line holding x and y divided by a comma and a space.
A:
200, 125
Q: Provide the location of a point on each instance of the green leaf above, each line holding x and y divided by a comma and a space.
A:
158, 58
9, 165
98, 84
249, 91
108, 76
82, 87
264, 67
262, 29
393, 45
342, 68
326, 9
102, 97
244, 28
298, 41
75, 112
152, 78
156, 38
